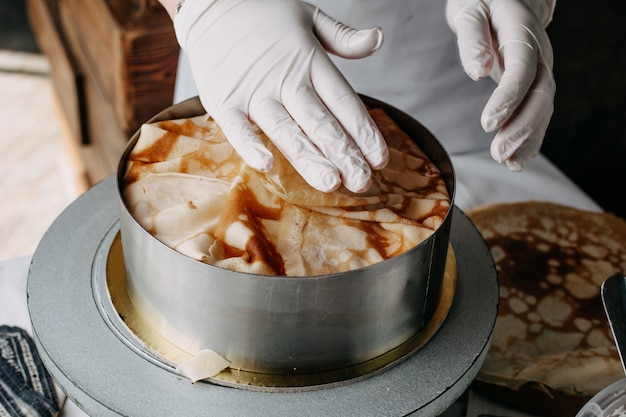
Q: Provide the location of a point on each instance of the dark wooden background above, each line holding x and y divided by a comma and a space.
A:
587, 135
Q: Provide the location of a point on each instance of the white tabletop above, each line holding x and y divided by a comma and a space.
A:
14, 312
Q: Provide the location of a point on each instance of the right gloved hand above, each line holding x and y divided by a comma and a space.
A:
266, 61
506, 40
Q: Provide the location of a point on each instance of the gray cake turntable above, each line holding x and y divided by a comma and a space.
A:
103, 373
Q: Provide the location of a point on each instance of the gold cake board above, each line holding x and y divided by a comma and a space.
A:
147, 338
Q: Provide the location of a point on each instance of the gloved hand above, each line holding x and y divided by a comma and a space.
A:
506, 39
266, 61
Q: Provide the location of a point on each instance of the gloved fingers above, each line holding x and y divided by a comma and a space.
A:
520, 139
520, 67
474, 40
301, 153
348, 109
543, 9
513, 21
244, 139
512, 144
344, 41
352, 114
529, 149
328, 135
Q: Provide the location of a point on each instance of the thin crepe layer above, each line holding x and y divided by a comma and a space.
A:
551, 329
188, 187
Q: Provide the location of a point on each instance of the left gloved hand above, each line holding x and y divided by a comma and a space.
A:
266, 61
506, 40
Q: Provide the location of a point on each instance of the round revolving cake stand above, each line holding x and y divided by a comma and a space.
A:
103, 372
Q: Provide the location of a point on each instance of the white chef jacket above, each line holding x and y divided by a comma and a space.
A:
418, 70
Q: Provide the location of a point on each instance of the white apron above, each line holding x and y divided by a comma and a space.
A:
418, 70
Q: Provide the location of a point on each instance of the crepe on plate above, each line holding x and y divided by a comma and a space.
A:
551, 335
188, 187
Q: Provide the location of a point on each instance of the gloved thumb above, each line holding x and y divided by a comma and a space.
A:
470, 22
344, 41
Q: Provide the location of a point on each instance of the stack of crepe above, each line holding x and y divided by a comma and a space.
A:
552, 346
188, 187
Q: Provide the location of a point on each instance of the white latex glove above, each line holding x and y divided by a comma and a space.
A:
266, 61
506, 39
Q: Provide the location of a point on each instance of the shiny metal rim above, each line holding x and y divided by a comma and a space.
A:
112, 298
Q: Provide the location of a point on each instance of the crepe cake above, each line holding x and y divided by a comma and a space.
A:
187, 186
552, 346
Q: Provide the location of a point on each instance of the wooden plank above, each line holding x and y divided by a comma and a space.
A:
108, 140
74, 171
152, 63
132, 58
67, 80
113, 67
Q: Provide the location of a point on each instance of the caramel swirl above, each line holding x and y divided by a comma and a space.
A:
186, 185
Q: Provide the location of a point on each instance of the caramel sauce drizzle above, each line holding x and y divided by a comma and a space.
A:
243, 206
